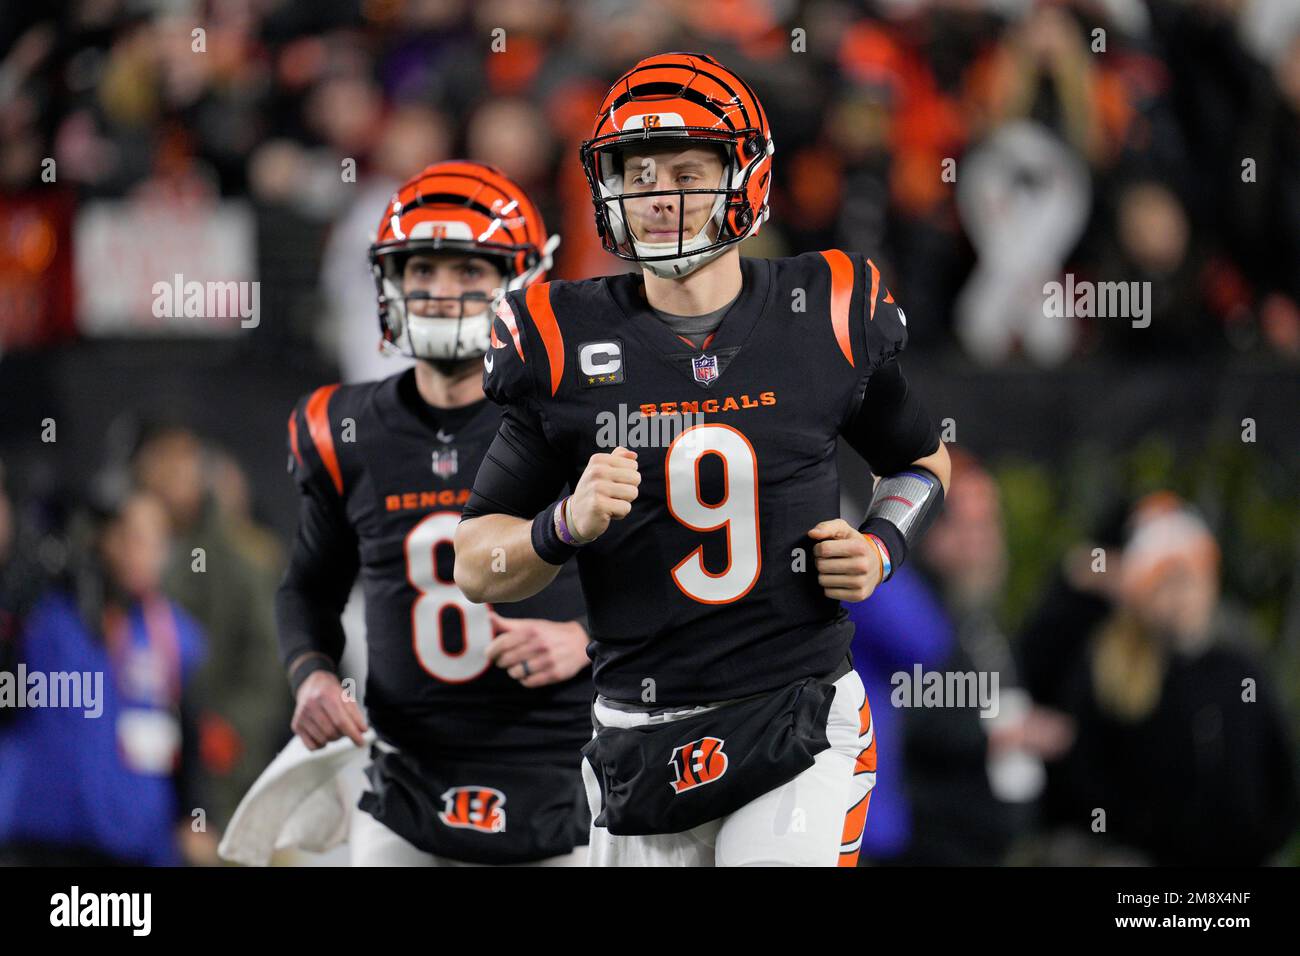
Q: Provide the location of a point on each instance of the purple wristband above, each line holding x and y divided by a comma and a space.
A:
562, 527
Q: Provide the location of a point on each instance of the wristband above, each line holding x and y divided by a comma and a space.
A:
886, 568
306, 665
887, 532
548, 544
562, 524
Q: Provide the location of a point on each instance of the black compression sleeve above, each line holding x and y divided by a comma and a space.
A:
322, 567
892, 428
521, 473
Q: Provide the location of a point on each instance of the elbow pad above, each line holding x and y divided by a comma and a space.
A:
903, 507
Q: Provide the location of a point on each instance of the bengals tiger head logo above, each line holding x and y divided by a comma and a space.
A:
477, 808
697, 763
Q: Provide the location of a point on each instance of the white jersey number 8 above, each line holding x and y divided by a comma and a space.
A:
436, 595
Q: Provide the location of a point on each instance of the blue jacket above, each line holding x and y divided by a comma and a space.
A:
65, 777
901, 624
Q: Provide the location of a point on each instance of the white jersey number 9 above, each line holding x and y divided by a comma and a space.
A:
736, 513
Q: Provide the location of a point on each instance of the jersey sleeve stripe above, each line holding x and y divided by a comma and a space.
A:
293, 437
841, 295
538, 300
507, 317
318, 424
875, 287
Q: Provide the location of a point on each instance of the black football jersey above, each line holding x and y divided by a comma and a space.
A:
708, 589
401, 471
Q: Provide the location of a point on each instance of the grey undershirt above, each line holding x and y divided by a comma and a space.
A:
694, 328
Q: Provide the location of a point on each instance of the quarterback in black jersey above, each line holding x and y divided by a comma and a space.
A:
480, 712
694, 410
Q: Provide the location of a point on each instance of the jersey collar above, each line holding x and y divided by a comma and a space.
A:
628, 292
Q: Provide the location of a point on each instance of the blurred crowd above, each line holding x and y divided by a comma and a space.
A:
1140, 716
977, 149
157, 577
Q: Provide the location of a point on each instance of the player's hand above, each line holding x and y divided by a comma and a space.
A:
605, 492
536, 652
848, 565
323, 713
1044, 731
197, 848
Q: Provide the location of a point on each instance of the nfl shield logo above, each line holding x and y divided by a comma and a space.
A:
444, 463
705, 368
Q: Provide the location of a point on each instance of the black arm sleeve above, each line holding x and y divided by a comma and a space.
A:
521, 474
891, 428
322, 566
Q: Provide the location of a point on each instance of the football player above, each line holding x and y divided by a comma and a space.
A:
480, 711
694, 410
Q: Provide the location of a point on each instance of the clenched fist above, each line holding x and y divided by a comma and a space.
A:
848, 565
605, 492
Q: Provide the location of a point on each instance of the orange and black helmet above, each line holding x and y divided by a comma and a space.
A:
455, 206
686, 98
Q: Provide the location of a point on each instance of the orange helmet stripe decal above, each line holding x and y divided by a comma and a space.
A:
841, 295
318, 424
538, 299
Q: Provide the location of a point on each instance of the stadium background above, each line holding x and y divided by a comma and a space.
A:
264, 146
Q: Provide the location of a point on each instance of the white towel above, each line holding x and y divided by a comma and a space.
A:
300, 800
